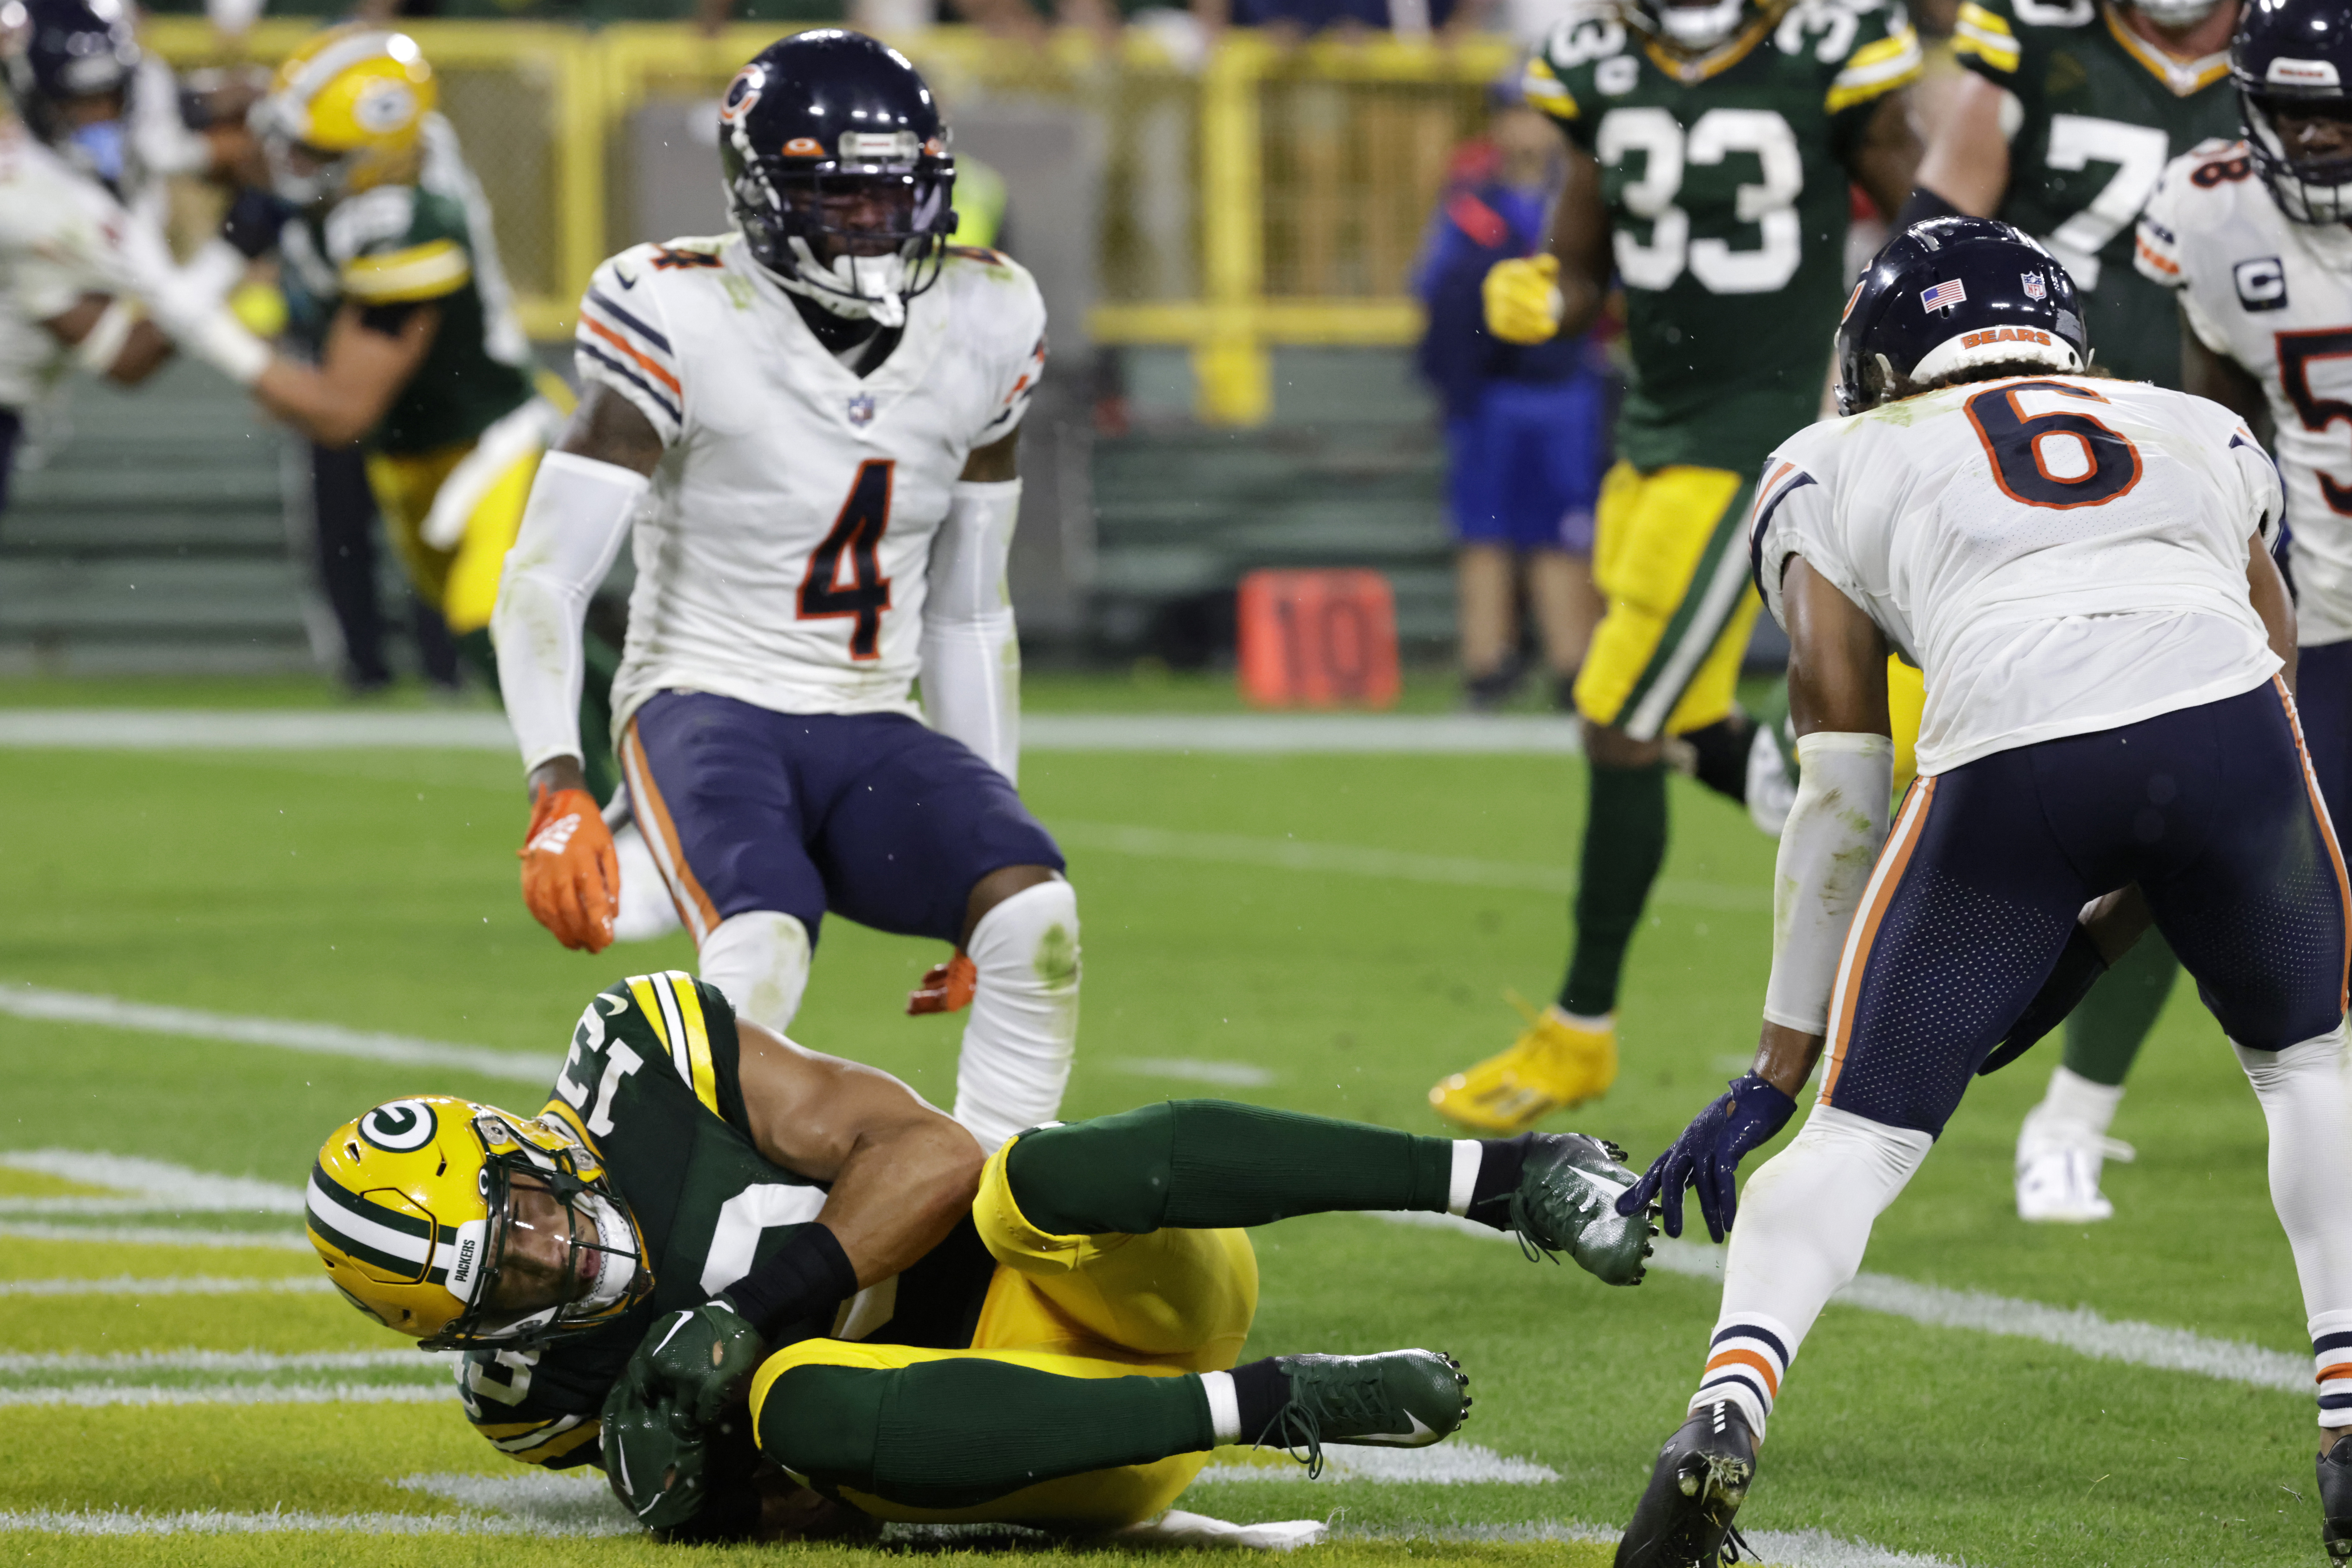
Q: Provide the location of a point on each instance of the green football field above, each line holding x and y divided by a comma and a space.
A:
197, 948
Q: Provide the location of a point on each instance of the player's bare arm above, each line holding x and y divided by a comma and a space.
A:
1886, 161
2266, 586
125, 350
899, 1172
1581, 241
993, 464
1967, 166
346, 396
2222, 379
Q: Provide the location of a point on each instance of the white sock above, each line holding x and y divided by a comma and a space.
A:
1804, 1220
760, 961
2301, 1093
1224, 1406
647, 912
1025, 1014
2078, 1101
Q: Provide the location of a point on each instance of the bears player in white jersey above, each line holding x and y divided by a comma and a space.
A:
2251, 235
69, 283
2081, 568
811, 423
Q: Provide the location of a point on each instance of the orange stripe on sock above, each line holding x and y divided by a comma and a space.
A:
694, 905
2327, 831
1876, 899
2341, 1369
1737, 1356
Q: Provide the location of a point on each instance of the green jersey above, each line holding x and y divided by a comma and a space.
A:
2103, 112
1725, 179
398, 246
652, 1083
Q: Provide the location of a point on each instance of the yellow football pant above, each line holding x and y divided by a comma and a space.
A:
1162, 1304
463, 582
1906, 700
1667, 553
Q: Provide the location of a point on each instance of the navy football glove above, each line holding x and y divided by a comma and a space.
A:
1707, 1155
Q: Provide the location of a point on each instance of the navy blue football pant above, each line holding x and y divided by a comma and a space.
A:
874, 816
2323, 696
2212, 810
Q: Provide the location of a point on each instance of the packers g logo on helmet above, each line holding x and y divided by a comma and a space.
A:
411, 1207
346, 114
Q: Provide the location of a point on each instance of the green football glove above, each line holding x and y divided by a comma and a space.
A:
682, 1378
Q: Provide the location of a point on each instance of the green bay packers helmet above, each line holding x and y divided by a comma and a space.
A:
413, 1204
1693, 27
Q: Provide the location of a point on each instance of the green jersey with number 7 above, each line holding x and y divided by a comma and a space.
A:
2098, 113
1725, 174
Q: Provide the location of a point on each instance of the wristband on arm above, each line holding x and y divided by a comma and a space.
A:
808, 1281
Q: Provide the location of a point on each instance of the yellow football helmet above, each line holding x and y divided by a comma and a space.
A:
412, 1203
346, 113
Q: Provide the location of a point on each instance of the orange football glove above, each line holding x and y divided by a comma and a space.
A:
571, 878
945, 988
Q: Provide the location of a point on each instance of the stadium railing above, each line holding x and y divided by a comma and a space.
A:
1276, 195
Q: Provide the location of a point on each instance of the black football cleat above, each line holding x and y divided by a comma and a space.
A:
2336, 1501
1684, 1519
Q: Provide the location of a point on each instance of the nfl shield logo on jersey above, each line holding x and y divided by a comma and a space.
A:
861, 410
2035, 288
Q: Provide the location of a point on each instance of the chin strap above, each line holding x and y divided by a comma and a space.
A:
858, 288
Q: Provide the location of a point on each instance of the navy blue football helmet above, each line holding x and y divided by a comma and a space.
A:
58, 51
2296, 57
837, 172
1950, 293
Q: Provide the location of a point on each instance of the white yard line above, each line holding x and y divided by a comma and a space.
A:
155, 1235
170, 1285
215, 1522
2077, 1329
1786, 1548
92, 1395
1443, 1464
266, 729
20, 1363
177, 1188
322, 1040
1194, 1069
1384, 864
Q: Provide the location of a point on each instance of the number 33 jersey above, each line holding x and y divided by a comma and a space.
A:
2057, 554
1725, 180
782, 552
2276, 297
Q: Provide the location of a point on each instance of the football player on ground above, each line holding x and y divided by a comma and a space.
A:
811, 423
69, 282
2061, 122
2081, 567
424, 361
715, 1257
1712, 147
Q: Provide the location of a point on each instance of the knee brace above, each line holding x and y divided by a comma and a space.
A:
1025, 1013
760, 961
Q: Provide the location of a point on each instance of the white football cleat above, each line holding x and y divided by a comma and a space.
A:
645, 909
2058, 1166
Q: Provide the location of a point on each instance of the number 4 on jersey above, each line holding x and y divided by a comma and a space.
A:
857, 534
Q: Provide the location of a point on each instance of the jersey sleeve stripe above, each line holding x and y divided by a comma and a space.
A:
2154, 262
641, 987
1875, 69
645, 361
425, 271
1986, 35
1766, 506
603, 302
700, 1073
626, 374
1545, 91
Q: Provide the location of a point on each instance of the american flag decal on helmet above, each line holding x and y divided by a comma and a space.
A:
1951, 292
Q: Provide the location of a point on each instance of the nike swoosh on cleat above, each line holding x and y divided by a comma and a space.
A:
1419, 1435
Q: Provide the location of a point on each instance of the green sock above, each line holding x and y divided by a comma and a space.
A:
954, 1434
1624, 844
1204, 1165
2107, 1027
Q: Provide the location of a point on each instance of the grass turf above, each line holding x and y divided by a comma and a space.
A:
376, 890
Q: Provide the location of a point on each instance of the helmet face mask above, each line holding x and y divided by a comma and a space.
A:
70, 66
855, 218
2174, 15
1692, 28
463, 1226
2292, 63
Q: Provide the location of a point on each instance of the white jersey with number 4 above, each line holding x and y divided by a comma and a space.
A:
2275, 296
783, 550
2058, 554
